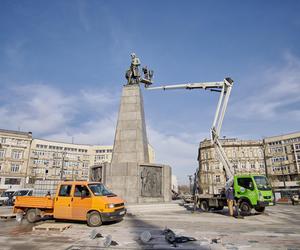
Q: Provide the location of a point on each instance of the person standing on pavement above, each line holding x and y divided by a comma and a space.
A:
230, 199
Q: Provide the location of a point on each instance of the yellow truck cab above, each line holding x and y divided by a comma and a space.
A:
74, 200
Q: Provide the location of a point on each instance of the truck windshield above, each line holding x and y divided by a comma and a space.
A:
262, 183
100, 190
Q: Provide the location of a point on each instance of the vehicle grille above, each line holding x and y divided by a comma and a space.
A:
267, 197
119, 205
119, 209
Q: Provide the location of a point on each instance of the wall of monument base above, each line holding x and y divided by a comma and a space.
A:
139, 182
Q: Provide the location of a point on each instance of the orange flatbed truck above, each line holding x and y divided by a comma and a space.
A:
74, 200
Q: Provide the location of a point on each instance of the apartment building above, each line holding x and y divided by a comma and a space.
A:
283, 161
50, 160
246, 156
14, 154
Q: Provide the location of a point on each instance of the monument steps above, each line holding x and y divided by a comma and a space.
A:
154, 207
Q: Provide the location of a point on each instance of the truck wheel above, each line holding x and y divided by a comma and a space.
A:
260, 209
94, 219
204, 205
218, 208
245, 208
32, 215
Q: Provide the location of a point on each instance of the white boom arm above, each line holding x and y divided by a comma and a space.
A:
225, 88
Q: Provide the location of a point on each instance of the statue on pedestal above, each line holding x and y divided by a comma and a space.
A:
133, 75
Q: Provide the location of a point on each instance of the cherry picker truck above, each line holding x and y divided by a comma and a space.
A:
250, 190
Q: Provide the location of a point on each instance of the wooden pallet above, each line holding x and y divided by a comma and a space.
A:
56, 227
7, 216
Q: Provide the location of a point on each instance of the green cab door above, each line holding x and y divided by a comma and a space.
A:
244, 187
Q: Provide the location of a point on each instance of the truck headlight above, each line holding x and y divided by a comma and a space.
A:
110, 205
260, 196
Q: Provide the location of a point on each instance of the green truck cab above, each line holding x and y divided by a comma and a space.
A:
252, 191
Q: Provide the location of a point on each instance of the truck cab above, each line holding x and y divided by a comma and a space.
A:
252, 191
87, 201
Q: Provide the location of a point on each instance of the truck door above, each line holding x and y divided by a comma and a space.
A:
81, 203
245, 188
62, 204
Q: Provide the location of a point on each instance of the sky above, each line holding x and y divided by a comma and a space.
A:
62, 67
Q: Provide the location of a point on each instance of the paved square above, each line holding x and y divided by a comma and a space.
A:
277, 228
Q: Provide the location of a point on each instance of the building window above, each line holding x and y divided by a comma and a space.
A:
15, 168
3, 140
2, 154
218, 179
16, 154
12, 181
252, 165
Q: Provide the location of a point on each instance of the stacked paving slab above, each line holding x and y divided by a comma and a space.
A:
130, 175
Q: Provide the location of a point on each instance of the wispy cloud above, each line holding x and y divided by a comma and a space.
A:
278, 94
177, 150
51, 113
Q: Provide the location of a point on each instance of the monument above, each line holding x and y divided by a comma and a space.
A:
130, 173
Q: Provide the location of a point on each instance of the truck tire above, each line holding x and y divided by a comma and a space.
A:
204, 205
245, 208
94, 219
218, 208
260, 209
33, 215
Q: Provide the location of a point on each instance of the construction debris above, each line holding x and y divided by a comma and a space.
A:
216, 240
58, 227
145, 236
173, 239
94, 234
109, 242
19, 217
7, 216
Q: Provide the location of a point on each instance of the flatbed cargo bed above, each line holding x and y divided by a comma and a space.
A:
34, 202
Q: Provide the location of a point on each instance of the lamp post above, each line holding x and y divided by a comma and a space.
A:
190, 179
62, 165
282, 174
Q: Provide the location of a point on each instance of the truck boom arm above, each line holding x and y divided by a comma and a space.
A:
224, 88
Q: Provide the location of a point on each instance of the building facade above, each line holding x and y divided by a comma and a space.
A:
246, 156
283, 162
14, 155
50, 160
27, 162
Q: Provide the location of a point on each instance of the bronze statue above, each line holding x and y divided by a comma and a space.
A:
133, 75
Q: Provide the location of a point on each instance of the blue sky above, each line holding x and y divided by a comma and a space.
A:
62, 67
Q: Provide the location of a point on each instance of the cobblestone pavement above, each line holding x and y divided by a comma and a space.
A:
277, 228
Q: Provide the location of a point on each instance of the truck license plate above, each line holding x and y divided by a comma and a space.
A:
123, 212
271, 203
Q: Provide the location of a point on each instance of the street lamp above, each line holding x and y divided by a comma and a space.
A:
283, 175
62, 165
190, 179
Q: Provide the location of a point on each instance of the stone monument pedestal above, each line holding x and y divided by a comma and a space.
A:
130, 174
138, 182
